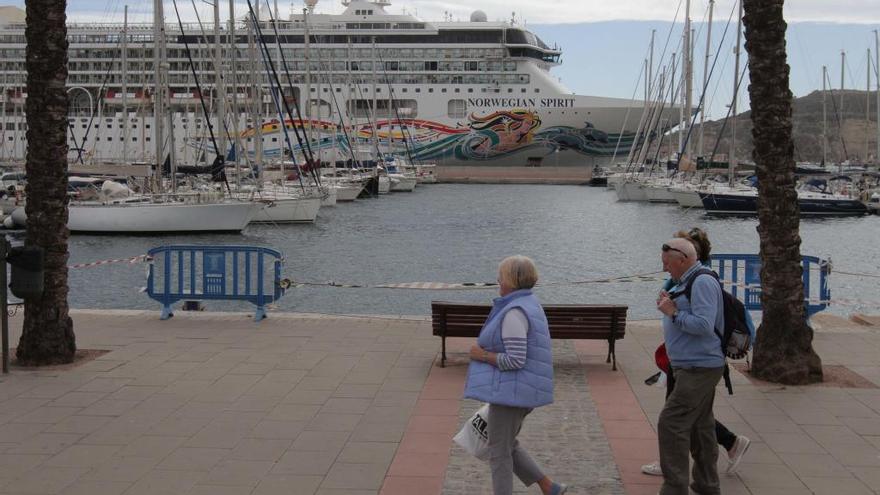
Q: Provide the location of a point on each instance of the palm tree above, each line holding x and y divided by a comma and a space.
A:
784, 350
47, 334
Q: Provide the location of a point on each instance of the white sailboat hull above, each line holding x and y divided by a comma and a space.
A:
348, 192
384, 185
144, 218
403, 183
631, 191
659, 194
687, 198
289, 210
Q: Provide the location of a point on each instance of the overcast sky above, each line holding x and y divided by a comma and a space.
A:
532, 11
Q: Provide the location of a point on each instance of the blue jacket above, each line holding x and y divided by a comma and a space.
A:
528, 387
692, 339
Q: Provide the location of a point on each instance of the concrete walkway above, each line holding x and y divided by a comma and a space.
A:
305, 404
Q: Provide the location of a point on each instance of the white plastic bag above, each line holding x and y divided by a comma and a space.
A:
474, 434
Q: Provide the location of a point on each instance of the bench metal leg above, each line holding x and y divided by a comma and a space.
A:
260, 314
443, 355
166, 312
612, 356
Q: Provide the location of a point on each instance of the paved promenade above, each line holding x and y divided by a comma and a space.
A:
307, 404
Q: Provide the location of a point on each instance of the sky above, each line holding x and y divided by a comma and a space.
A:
604, 43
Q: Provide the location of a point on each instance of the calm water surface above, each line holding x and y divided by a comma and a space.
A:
459, 233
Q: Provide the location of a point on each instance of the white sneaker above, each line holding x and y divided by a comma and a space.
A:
653, 469
736, 453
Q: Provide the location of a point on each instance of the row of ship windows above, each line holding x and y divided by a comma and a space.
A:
145, 55
337, 79
296, 65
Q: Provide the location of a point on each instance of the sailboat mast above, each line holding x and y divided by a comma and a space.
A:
233, 48
688, 74
308, 61
731, 162
650, 75
824, 116
877, 83
868, 106
256, 92
125, 84
219, 87
158, 96
706, 77
374, 109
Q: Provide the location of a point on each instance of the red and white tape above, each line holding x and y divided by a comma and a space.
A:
143, 258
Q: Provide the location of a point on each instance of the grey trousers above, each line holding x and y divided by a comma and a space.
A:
506, 457
687, 426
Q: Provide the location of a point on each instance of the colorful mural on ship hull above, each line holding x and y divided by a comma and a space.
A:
488, 137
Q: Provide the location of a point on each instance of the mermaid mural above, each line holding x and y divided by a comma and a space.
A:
501, 131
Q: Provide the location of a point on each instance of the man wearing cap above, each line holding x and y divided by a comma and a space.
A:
686, 424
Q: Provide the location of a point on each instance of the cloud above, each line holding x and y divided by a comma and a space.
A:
544, 12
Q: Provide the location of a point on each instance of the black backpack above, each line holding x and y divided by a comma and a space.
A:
736, 338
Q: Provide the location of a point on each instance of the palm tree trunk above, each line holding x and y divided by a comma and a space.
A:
784, 351
47, 335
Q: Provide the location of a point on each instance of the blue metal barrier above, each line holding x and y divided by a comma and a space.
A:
744, 271
224, 273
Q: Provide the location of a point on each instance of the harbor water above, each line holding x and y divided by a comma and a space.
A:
458, 233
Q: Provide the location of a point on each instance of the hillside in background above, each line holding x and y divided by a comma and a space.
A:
846, 135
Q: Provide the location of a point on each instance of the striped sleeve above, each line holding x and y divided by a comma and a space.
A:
514, 329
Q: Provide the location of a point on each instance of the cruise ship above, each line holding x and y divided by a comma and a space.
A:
452, 93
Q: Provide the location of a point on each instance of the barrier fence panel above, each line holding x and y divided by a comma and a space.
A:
741, 275
223, 273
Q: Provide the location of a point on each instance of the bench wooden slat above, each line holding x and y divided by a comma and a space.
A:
566, 321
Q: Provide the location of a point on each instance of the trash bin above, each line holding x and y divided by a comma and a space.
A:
27, 271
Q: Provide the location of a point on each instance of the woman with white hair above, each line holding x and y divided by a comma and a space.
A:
511, 369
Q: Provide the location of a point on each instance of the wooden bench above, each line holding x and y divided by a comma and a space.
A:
567, 321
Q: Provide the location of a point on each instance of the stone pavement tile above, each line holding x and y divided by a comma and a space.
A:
46, 480
378, 432
416, 385
875, 441
419, 464
629, 429
166, 482
813, 416
328, 383
122, 469
177, 426
331, 441
435, 424
15, 464
110, 407
78, 399
795, 443
152, 446
238, 472
355, 476
870, 476
836, 486
854, 455
864, 426
227, 388
89, 487
396, 398
252, 403
772, 424
388, 414
286, 430
346, 405
251, 369
307, 397
208, 489
85, 456
436, 407
850, 409
408, 485
315, 463
135, 393
53, 388
293, 412
428, 443
83, 425
260, 449
814, 465
759, 452
196, 409
47, 443
368, 453
288, 484
356, 391
344, 491
193, 459
761, 477
829, 434
334, 422
47, 414
19, 432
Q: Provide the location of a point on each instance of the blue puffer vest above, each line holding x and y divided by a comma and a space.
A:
530, 386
